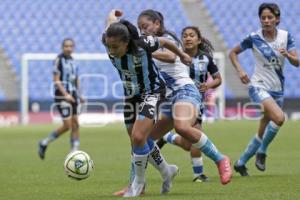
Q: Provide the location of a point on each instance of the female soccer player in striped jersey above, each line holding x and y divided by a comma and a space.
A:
270, 47
143, 85
182, 106
67, 97
200, 49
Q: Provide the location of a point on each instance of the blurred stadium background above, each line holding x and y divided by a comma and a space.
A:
39, 26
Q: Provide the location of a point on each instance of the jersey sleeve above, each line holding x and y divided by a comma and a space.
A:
246, 43
212, 67
149, 43
56, 70
290, 43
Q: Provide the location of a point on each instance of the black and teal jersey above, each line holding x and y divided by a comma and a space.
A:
67, 70
138, 71
202, 65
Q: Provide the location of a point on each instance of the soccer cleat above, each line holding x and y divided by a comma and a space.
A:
201, 179
121, 193
135, 190
260, 161
167, 183
241, 169
161, 142
42, 150
225, 171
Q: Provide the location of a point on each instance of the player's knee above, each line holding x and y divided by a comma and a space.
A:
138, 138
75, 126
184, 145
67, 126
279, 121
181, 128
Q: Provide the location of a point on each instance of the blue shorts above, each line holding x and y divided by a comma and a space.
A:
188, 93
257, 95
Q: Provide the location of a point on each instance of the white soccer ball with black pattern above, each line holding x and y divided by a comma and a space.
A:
78, 165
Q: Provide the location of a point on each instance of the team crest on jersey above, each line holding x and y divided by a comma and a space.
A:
201, 66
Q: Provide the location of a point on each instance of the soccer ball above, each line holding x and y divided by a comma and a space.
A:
78, 165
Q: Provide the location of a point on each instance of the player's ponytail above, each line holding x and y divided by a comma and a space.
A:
134, 34
205, 46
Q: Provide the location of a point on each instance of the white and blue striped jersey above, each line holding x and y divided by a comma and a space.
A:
269, 64
67, 70
175, 74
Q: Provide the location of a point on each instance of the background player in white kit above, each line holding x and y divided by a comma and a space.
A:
270, 47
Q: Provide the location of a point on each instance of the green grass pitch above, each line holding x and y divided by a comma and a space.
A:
23, 176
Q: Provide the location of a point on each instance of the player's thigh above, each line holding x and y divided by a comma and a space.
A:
273, 111
141, 130
145, 118
184, 114
67, 123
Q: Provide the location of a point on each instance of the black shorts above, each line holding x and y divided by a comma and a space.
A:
67, 109
139, 107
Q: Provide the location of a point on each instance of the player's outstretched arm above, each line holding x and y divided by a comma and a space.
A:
185, 58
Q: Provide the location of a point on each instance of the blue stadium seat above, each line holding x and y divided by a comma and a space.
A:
40, 25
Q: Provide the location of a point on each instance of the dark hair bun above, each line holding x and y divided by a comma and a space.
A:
131, 28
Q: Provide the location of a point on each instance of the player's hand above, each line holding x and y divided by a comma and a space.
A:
114, 15
69, 98
118, 13
283, 52
244, 77
186, 59
203, 87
